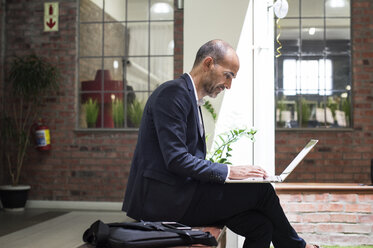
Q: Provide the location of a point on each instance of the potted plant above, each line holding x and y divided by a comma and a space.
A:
304, 112
91, 112
117, 113
223, 148
30, 78
135, 111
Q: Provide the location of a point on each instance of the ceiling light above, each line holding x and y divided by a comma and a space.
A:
171, 45
312, 31
115, 64
337, 3
161, 8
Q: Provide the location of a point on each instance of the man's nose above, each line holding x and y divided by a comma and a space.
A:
228, 84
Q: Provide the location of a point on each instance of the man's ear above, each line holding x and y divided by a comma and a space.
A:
208, 62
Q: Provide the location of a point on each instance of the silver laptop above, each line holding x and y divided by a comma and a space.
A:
284, 174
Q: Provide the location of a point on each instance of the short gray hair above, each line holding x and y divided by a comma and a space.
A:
216, 49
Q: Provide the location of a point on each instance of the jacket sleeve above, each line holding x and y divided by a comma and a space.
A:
170, 110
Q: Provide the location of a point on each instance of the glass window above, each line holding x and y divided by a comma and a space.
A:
313, 65
126, 49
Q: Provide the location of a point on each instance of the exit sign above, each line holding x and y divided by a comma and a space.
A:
50, 16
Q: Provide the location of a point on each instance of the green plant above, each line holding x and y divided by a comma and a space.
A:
30, 79
304, 108
332, 105
117, 112
223, 146
346, 107
211, 109
281, 106
91, 112
135, 111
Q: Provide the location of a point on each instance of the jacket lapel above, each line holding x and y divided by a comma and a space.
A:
195, 109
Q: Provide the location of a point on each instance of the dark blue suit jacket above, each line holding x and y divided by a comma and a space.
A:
169, 160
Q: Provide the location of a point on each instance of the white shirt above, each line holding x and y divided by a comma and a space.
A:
199, 102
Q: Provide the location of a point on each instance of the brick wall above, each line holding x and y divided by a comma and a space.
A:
331, 218
179, 41
83, 166
93, 166
341, 156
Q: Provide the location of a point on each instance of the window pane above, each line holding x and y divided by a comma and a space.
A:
113, 75
306, 110
290, 77
89, 74
288, 29
341, 71
336, 110
314, 8
114, 67
286, 111
115, 10
90, 40
115, 44
337, 8
345, 106
162, 37
137, 74
307, 76
161, 70
313, 36
107, 115
338, 34
90, 11
117, 110
90, 110
315, 75
138, 10
139, 38
161, 10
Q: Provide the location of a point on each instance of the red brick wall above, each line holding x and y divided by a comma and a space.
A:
81, 165
89, 166
341, 156
179, 41
331, 218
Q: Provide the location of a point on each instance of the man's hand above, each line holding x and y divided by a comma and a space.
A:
245, 171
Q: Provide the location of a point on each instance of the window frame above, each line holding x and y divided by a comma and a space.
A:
324, 55
149, 21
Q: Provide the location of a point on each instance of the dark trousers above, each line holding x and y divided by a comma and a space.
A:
248, 209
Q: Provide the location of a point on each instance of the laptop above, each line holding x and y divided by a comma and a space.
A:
284, 174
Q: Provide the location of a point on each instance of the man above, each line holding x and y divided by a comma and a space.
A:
170, 180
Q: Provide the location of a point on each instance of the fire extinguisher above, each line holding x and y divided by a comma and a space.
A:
42, 134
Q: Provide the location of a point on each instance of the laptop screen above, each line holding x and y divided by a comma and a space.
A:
298, 158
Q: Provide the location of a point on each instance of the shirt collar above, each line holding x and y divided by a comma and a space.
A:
198, 101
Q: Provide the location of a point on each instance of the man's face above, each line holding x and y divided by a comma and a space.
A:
220, 75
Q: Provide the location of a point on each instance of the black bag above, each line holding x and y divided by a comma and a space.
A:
144, 235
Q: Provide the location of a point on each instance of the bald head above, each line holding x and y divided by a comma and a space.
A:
216, 49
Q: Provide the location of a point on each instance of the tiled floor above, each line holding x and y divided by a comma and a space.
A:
46, 228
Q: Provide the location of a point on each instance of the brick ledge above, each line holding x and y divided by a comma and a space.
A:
323, 188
